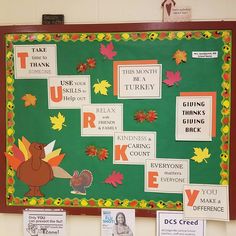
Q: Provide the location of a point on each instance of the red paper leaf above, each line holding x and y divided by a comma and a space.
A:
82, 67
91, 63
102, 154
151, 116
114, 179
17, 153
107, 51
172, 78
140, 116
91, 151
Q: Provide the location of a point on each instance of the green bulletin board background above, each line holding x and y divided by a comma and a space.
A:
33, 122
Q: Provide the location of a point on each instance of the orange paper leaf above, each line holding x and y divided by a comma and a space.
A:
55, 161
12, 161
30, 100
180, 56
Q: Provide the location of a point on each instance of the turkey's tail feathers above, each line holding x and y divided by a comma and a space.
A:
58, 172
87, 178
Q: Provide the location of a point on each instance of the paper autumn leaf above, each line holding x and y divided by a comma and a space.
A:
57, 121
172, 78
91, 63
180, 56
201, 155
82, 67
151, 116
107, 51
101, 87
30, 100
140, 116
102, 154
114, 179
91, 151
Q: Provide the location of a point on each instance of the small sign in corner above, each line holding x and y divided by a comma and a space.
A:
52, 19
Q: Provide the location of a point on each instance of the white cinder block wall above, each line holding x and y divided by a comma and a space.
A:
21, 12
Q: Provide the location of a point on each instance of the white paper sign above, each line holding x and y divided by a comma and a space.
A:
38, 222
176, 14
35, 61
166, 175
133, 147
68, 92
118, 222
206, 202
172, 223
194, 118
205, 54
139, 81
101, 119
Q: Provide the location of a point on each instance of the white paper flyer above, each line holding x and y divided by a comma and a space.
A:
38, 222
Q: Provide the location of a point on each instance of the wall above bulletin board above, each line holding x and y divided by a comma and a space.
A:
115, 115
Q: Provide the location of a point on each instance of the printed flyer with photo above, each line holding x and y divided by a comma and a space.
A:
118, 222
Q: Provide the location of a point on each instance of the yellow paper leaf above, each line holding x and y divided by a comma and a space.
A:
57, 121
201, 155
27, 145
101, 87
29, 100
52, 154
23, 149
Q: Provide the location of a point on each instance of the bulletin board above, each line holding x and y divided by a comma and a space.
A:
115, 115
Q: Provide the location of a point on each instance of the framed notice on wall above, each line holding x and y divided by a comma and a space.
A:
116, 115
